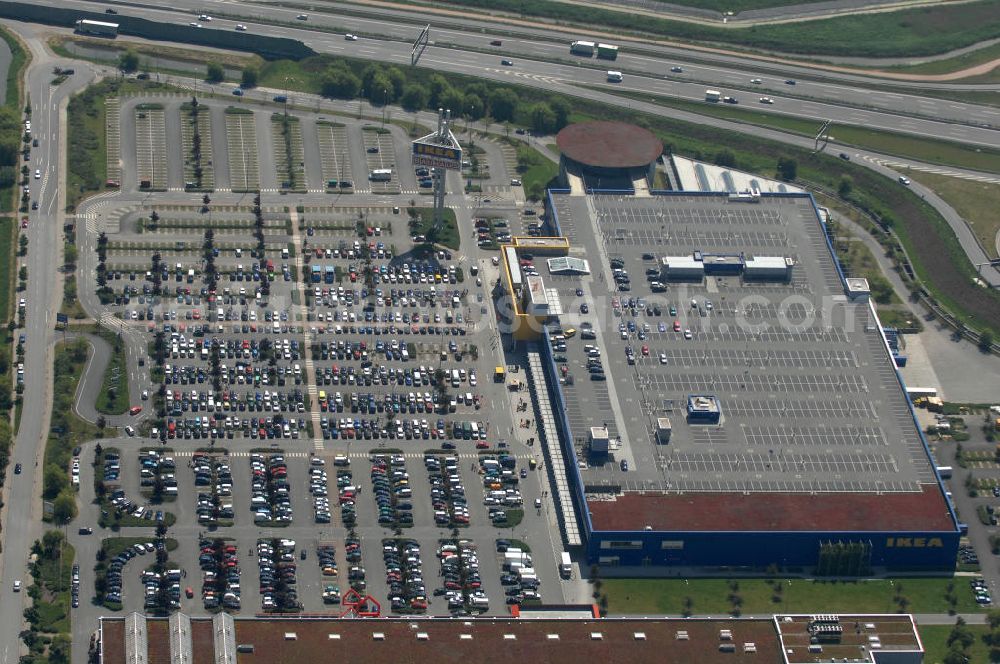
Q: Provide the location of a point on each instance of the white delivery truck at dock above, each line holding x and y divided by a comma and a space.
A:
565, 565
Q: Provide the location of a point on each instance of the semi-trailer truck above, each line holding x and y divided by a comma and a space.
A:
607, 51
582, 48
101, 28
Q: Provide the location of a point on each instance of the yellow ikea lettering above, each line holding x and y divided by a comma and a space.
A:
914, 543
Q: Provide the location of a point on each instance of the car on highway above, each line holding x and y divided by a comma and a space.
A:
17, 585
496, 42
194, 24
756, 81
507, 63
766, 100
110, 11
240, 27
350, 37
789, 81
238, 92
17, 469
845, 156
204, 17
302, 17
38, 173
730, 100
905, 181
34, 205
677, 70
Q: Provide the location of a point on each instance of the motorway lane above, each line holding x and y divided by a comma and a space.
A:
22, 523
829, 97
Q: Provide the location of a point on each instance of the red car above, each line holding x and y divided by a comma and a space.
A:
135, 410
482, 445
189, 591
645, 350
677, 326
24, 222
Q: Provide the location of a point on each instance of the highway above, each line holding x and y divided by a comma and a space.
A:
537, 57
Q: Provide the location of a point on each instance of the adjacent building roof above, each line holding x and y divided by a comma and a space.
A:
606, 144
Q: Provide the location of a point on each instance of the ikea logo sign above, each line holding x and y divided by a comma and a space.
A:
914, 543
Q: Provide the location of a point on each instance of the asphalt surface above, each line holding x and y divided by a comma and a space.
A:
22, 518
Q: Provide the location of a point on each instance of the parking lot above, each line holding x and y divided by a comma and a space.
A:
241, 139
151, 146
319, 378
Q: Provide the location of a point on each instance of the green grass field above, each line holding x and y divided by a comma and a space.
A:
977, 202
114, 397
737, 6
957, 63
935, 640
712, 596
908, 32
422, 220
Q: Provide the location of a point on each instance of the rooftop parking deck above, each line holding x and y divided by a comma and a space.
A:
809, 401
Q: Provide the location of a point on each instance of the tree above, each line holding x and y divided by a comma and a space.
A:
562, 108
725, 158
249, 78
961, 635
64, 506
475, 107
128, 61
787, 169
985, 341
453, 99
845, 187
503, 104
54, 480
215, 73
415, 97
543, 118
339, 83
993, 618
955, 656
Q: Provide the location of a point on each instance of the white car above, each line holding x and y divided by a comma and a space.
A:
766, 100
38, 173
350, 37
194, 25
17, 586
756, 81
903, 180
240, 27
687, 334
205, 17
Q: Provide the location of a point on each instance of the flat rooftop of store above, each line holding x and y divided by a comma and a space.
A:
810, 409
487, 640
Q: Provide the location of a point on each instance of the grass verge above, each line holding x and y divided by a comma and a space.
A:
114, 396
537, 172
48, 636
715, 596
422, 222
976, 202
67, 429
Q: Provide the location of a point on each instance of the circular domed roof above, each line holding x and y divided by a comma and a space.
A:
604, 144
